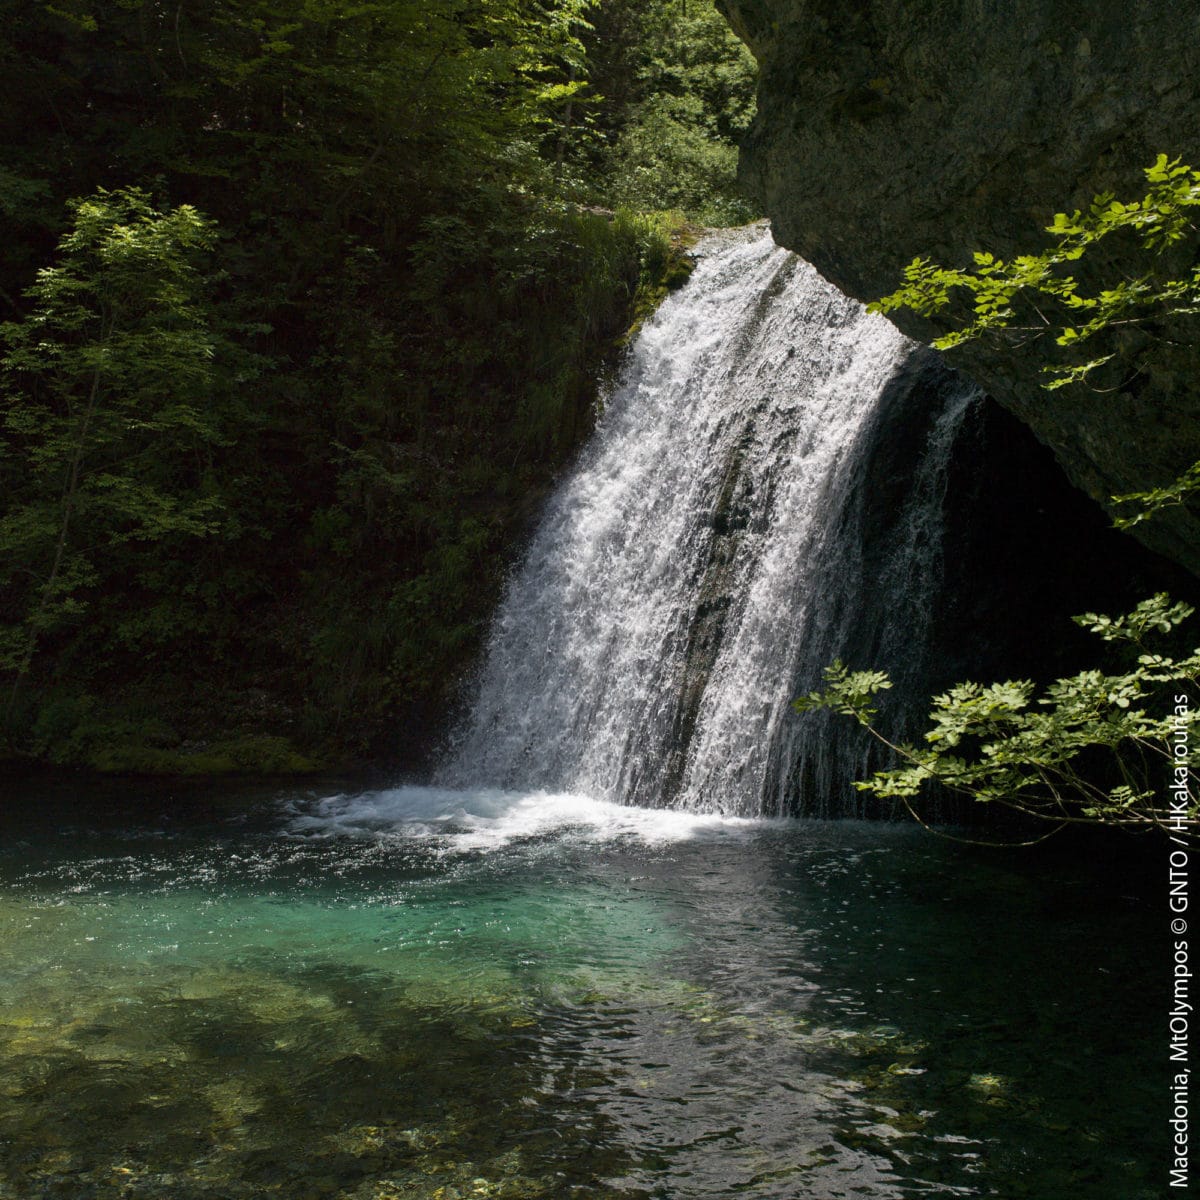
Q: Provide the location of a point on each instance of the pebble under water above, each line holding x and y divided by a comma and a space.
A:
435, 994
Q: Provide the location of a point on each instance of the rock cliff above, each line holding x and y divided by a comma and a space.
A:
892, 128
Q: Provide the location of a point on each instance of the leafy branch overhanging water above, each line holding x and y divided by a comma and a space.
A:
1096, 747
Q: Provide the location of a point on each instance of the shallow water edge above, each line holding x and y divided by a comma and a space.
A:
425, 993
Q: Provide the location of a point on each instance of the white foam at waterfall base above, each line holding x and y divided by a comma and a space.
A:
489, 818
647, 645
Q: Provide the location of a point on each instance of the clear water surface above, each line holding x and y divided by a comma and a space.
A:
435, 994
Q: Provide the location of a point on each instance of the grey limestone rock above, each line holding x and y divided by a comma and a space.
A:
892, 128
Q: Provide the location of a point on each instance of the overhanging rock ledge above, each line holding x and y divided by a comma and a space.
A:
892, 128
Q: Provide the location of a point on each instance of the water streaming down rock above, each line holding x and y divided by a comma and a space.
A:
712, 550
877, 576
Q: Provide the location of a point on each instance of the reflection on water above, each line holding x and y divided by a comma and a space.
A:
429, 994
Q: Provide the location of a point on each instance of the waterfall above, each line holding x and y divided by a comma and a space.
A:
716, 544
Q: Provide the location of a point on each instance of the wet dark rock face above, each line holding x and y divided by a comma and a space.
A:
1021, 552
892, 128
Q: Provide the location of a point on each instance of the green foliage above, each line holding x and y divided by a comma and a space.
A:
1143, 505
1094, 747
1034, 296
248, 754
850, 693
1043, 754
110, 416
667, 160
676, 92
501, 380
343, 304
75, 729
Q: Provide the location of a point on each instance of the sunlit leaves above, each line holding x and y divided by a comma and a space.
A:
1093, 746
850, 693
1145, 504
1156, 615
1036, 295
681, 87
107, 402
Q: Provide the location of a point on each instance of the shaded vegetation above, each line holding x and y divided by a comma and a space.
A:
306, 306
1096, 747
1108, 745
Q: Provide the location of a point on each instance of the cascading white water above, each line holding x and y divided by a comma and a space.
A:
701, 558
871, 613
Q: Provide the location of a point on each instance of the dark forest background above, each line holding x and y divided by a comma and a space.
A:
304, 306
